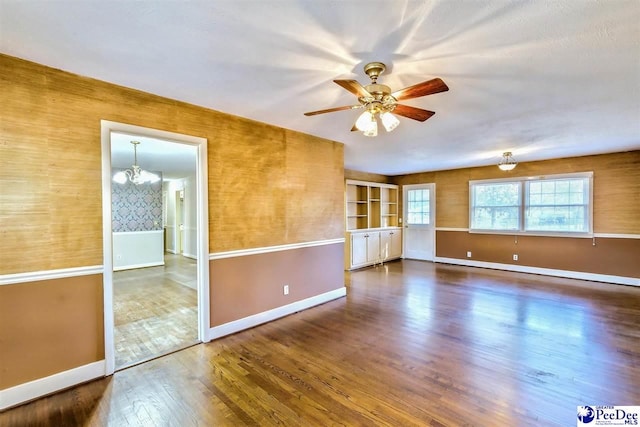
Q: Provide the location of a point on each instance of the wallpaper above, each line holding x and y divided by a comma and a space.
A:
136, 207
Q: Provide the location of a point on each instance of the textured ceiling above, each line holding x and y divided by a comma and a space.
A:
543, 79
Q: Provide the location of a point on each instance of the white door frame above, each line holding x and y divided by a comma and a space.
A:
202, 215
432, 212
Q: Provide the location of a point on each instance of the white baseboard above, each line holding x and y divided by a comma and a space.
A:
131, 267
34, 389
267, 316
619, 280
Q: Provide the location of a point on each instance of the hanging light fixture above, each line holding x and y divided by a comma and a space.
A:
367, 122
507, 163
135, 174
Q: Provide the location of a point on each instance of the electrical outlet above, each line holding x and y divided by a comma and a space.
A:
285, 289
468, 254
515, 257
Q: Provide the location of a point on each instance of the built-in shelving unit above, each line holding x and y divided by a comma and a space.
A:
371, 205
372, 225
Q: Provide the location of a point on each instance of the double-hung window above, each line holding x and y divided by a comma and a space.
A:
557, 205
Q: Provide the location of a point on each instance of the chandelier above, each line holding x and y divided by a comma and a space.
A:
507, 163
135, 175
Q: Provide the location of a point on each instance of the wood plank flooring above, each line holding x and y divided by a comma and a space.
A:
412, 344
155, 310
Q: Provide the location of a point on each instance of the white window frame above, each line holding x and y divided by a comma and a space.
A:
523, 205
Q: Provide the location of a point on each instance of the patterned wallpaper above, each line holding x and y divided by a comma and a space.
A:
136, 207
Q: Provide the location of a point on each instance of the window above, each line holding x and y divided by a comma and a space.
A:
496, 206
540, 205
418, 206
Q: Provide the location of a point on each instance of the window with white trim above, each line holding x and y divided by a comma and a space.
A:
556, 204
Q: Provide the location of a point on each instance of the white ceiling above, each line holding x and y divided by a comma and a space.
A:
543, 79
174, 160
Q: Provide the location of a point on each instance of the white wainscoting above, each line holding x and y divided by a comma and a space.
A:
136, 249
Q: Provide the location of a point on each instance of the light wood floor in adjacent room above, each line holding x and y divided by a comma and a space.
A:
412, 344
155, 310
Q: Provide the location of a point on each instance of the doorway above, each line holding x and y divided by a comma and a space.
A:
160, 294
419, 217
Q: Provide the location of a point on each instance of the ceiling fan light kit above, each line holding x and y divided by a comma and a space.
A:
507, 163
378, 101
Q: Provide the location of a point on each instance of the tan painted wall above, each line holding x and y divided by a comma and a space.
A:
615, 192
49, 326
609, 256
254, 283
616, 211
267, 186
367, 176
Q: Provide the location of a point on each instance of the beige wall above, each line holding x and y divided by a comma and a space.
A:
615, 190
366, 176
616, 210
266, 187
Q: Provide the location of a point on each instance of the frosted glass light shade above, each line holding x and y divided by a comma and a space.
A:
389, 121
364, 121
373, 129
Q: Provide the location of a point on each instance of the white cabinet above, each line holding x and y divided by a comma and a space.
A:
372, 225
390, 244
358, 253
364, 248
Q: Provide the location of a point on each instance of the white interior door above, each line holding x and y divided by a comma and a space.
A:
419, 221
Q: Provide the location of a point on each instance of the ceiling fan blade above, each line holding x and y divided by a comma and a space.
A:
331, 110
354, 128
413, 112
421, 89
353, 86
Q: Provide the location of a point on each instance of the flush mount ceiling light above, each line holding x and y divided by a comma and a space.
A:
507, 163
135, 174
378, 101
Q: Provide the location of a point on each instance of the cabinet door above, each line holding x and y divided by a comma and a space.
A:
396, 244
358, 249
373, 246
390, 244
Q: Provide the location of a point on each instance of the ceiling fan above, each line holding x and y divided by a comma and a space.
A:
378, 100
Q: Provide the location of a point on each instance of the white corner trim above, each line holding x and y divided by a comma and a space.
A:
33, 276
34, 389
619, 280
267, 249
269, 315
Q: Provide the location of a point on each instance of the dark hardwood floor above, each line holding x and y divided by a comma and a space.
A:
413, 344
